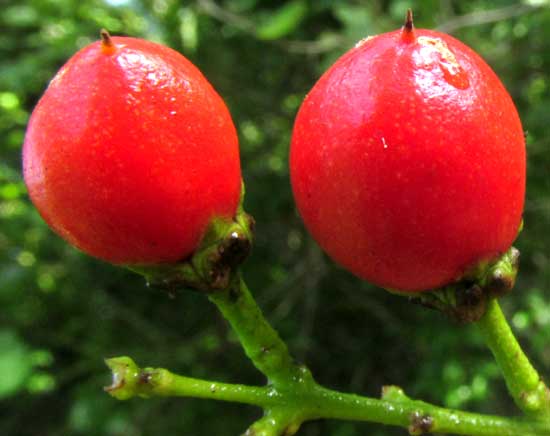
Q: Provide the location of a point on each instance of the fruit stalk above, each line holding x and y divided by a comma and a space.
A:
524, 383
260, 341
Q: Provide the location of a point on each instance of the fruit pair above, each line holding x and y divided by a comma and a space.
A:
407, 158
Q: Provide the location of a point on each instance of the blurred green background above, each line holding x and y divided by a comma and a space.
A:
62, 312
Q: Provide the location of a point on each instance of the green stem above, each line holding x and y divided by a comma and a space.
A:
260, 341
287, 409
523, 381
420, 417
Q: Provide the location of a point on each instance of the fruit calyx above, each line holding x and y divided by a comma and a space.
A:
107, 46
466, 300
408, 35
213, 266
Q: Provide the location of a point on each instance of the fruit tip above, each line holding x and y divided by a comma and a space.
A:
107, 45
408, 27
409, 20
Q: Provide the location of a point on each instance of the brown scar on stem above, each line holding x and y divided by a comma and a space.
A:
420, 424
144, 377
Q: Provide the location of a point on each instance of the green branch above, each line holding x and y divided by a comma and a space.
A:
292, 396
523, 381
287, 409
129, 381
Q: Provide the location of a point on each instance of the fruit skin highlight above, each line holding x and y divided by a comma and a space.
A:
407, 161
130, 153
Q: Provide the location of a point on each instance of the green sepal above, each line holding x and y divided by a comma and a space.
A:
225, 245
466, 299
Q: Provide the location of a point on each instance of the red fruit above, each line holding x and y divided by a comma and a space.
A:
408, 161
130, 153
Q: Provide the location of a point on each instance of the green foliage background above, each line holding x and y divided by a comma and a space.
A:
62, 312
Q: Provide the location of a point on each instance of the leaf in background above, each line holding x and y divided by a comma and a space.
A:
284, 21
15, 364
188, 29
356, 19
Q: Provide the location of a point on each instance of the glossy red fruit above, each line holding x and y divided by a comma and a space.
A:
130, 153
408, 160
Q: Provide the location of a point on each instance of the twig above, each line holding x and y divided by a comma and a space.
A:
246, 25
287, 409
210, 7
484, 17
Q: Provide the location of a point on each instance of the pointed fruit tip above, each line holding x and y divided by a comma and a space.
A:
107, 46
408, 28
409, 25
